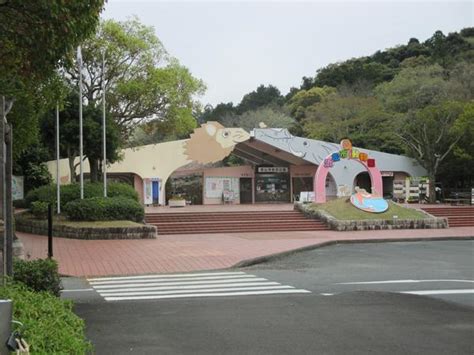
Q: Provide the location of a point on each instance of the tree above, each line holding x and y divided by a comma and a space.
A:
92, 135
217, 113
263, 96
432, 133
414, 88
362, 119
271, 117
37, 34
300, 101
427, 102
142, 81
31, 165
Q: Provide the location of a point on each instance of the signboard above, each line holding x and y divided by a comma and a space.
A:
147, 192
306, 196
387, 173
17, 187
272, 169
215, 186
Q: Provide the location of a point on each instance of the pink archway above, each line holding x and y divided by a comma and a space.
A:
323, 170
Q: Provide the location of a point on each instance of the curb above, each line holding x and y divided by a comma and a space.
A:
271, 257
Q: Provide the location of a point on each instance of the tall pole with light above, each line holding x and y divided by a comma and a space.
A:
104, 163
81, 171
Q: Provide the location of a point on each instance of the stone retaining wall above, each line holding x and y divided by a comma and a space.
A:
41, 227
372, 224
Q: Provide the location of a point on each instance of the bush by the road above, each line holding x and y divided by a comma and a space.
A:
39, 209
105, 209
49, 324
39, 275
72, 192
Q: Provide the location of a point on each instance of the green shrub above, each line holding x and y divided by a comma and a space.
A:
104, 209
72, 192
39, 275
20, 203
50, 326
39, 209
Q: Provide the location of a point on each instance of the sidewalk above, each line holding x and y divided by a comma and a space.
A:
185, 253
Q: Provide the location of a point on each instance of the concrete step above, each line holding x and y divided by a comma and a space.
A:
232, 222
247, 230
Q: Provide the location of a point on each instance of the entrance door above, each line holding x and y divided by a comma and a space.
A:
156, 192
245, 190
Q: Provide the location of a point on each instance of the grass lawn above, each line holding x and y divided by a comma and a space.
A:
342, 209
61, 220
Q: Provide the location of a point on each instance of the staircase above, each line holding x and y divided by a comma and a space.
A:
232, 222
457, 216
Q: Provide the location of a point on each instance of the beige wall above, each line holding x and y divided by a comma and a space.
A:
234, 171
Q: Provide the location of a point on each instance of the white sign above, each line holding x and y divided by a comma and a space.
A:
387, 173
17, 187
147, 192
272, 169
215, 186
306, 196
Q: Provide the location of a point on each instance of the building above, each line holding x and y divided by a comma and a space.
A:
278, 167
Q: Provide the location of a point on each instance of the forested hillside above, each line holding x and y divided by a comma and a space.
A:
414, 99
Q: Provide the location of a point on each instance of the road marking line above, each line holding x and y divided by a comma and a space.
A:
165, 276
327, 294
400, 281
250, 293
159, 279
256, 279
439, 292
105, 294
216, 286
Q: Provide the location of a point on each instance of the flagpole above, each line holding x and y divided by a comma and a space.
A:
104, 163
81, 172
58, 188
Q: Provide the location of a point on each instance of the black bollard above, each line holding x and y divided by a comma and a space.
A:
50, 230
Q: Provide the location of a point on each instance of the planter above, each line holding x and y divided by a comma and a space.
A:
177, 203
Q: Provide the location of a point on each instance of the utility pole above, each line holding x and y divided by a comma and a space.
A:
81, 171
58, 183
6, 210
9, 201
104, 164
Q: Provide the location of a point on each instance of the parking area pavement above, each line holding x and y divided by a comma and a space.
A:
184, 253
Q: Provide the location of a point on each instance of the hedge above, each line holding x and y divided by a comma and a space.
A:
39, 275
39, 209
49, 324
105, 209
72, 192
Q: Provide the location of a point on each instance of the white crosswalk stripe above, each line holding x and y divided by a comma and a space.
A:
217, 284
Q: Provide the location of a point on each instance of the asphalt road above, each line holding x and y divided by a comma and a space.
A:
339, 316
446, 268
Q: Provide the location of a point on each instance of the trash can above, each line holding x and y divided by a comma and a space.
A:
5, 325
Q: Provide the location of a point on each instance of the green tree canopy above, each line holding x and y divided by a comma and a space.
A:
142, 80
36, 35
92, 135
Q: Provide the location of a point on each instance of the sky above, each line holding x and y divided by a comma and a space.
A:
235, 46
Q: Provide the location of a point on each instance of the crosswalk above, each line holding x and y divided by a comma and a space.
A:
211, 284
